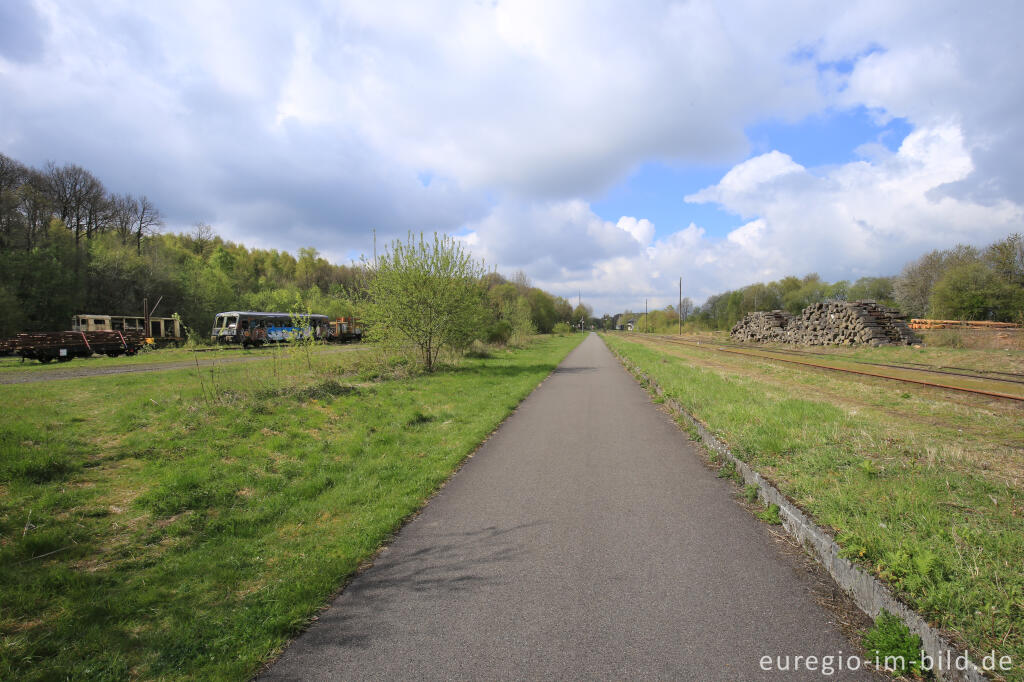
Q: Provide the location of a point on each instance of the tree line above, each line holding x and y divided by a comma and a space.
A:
961, 283
70, 246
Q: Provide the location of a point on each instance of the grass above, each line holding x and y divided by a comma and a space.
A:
186, 524
922, 488
163, 355
892, 645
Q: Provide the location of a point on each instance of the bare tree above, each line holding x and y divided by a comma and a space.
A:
36, 205
124, 210
202, 236
97, 210
148, 220
73, 190
686, 309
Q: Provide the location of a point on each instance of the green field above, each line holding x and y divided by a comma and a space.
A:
923, 488
187, 523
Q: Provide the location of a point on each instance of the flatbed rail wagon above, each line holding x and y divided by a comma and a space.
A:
63, 346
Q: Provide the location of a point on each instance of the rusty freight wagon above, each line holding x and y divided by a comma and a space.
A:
345, 330
63, 346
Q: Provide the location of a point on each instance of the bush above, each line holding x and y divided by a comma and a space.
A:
499, 332
562, 329
427, 294
893, 645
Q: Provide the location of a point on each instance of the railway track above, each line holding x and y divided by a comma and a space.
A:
984, 375
970, 383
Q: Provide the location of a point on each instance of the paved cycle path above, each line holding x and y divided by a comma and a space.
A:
585, 540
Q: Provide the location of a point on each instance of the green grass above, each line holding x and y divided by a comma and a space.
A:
924, 491
166, 355
891, 643
186, 524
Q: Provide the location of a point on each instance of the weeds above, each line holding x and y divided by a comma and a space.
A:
770, 515
750, 492
893, 646
728, 470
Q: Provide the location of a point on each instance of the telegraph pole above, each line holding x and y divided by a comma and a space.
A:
680, 309
647, 319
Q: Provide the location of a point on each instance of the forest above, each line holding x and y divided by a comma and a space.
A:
69, 246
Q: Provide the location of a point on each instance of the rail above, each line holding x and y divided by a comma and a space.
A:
765, 355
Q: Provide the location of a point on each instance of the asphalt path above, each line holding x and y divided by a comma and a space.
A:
584, 540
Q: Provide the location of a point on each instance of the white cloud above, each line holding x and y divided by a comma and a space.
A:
641, 230
844, 222
292, 124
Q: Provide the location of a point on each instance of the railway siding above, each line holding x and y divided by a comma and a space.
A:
996, 387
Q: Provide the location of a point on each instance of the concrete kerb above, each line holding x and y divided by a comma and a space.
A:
867, 592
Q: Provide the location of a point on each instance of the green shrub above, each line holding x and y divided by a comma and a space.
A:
892, 645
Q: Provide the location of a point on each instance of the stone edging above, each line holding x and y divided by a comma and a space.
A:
868, 593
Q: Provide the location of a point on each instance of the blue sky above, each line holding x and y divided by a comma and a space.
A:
656, 189
594, 146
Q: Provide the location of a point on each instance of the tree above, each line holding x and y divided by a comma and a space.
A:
581, 315
75, 193
147, 221
201, 239
912, 289
970, 292
427, 293
1006, 258
687, 307
872, 288
542, 310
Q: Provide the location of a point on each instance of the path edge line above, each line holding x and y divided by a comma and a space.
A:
867, 591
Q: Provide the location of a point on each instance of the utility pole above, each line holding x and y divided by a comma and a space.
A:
375, 248
647, 320
680, 309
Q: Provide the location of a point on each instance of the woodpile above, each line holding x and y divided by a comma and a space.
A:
828, 324
767, 327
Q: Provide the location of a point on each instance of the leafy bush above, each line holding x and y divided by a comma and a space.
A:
561, 329
891, 643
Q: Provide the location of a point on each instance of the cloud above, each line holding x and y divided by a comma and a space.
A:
291, 124
21, 31
858, 219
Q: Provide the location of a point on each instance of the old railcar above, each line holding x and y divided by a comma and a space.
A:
163, 330
250, 328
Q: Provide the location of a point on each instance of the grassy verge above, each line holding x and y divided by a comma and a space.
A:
186, 524
163, 355
923, 489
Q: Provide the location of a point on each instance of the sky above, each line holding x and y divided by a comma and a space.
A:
605, 149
